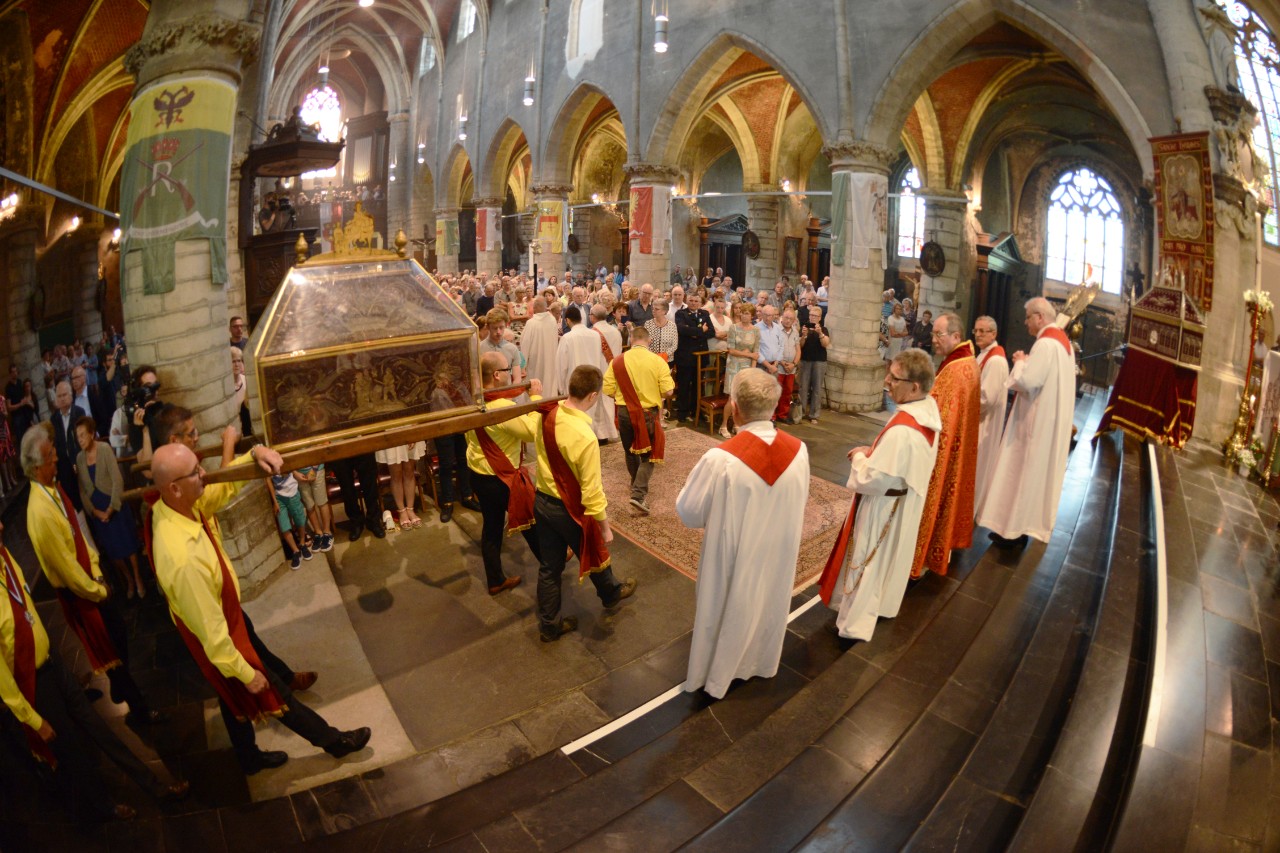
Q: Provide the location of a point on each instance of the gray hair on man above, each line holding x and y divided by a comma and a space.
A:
599, 312
917, 365
952, 321
755, 393
31, 453
1043, 307
990, 321
539, 304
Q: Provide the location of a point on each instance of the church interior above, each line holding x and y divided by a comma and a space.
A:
1114, 688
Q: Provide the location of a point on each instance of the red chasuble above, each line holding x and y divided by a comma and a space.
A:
514, 477
243, 704
593, 553
82, 615
768, 461
655, 446
24, 655
835, 562
947, 520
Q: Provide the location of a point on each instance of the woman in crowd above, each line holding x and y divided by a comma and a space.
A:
899, 331
519, 309
721, 322
26, 411
110, 519
662, 331
240, 394
743, 350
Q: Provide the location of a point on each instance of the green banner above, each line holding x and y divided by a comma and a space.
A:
173, 185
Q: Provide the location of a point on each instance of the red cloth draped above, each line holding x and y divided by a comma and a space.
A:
24, 657
83, 616
593, 553
1061, 337
947, 520
995, 350
835, 562
243, 704
655, 446
1152, 398
514, 477
604, 346
768, 461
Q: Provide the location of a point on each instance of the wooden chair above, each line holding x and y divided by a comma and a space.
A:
712, 398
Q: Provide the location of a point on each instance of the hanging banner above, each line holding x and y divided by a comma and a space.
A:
1184, 212
451, 237
642, 219
488, 229
868, 218
839, 216
174, 181
553, 231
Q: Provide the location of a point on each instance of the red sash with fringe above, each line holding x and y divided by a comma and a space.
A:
768, 461
604, 346
655, 446
243, 704
835, 562
83, 616
24, 657
593, 553
517, 480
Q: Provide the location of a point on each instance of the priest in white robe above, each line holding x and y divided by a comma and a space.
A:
749, 496
608, 332
994, 367
866, 575
538, 343
1022, 498
578, 346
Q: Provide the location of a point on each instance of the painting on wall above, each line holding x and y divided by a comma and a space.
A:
790, 255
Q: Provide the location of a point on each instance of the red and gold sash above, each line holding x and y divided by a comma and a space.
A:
83, 616
835, 562
642, 442
243, 704
1060, 336
24, 656
593, 553
995, 350
517, 480
604, 346
768, 461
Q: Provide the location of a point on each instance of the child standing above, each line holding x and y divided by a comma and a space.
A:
315, 498
291, 517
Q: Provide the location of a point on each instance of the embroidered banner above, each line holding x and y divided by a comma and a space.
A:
173, 184
551, 226
1184, 212
446, 237
868, 218
488, 229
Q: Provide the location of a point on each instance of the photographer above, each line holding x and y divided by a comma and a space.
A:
141, 407
276, 213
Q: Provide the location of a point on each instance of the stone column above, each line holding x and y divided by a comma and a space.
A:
580, 261
654, 268
184, 332
855, 372
763, 270
400, 190
489, 260
944, 222
446, 260
551, 259
19, 241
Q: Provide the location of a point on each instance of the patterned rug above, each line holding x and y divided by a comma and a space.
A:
662, 534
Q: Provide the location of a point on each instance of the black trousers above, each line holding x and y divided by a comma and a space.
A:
299, 718
557, 531
686, 388
60, 700
452, 450
346, 470
123, 687
494, 495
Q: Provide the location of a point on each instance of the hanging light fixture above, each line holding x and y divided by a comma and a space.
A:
462, 128
365, 4
660, 21
529, 80
422, 153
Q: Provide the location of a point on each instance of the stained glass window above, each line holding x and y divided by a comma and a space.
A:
1258, 64
1086, 230
466, 19
910, 215
321, 106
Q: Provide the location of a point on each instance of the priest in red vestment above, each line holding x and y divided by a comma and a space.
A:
947, 521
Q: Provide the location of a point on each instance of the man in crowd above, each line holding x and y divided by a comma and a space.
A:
640, 309
866, 574
814, 341
749, 495
72, 569
677, 299
994, 369
54, 714
787, 366
947, 520
922, 334
639, 380
570, 506
1022, 499
772, 340
538, 342
496, 323
98, 404
64, 419
677, 277
485, 301
581, 346
239, 339
502, 485
579, 299
693, 330
203, 592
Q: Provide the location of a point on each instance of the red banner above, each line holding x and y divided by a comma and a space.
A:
1184, 212
642, 218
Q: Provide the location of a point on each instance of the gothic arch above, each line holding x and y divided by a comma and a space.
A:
567, 130
391, 72
930, 53
457, 174
495, 168
933, 171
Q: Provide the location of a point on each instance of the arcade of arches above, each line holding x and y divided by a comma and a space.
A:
1018, 124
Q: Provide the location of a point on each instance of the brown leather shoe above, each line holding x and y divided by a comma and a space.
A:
509, 583
303, 680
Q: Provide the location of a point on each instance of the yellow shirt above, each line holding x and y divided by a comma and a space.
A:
581, 450
55, 545
650, 376
189, 573
508, 435
9, 691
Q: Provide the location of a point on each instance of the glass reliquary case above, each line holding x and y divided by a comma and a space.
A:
358, 341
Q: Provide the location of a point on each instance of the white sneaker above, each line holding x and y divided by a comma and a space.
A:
388, 521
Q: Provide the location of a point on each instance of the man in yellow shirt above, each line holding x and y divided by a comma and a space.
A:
204, 601
570, 504
72, 569
639, 380
54, 713
503, 487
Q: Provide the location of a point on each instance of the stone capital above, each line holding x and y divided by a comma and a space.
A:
558, 191
651, 173
945, 199
487, 202
442, 212
859, 156
176, 42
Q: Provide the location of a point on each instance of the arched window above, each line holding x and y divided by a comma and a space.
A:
1258, 64
586, 33
910, 215
1085, 230
427, 60
466, 19
321, 106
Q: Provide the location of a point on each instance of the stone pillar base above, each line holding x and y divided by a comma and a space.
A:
489, 262
854, 383
250, 536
